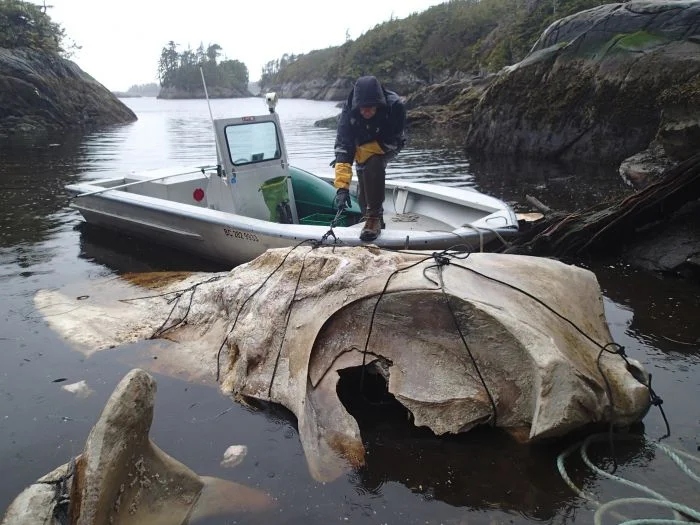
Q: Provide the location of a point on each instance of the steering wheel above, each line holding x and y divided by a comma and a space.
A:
240, 161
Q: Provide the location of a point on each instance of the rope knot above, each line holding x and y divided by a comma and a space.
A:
655, 399
441, 259
329, 233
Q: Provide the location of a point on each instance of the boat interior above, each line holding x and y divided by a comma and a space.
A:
405, 207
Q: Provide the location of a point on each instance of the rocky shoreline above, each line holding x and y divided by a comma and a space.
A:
41, 92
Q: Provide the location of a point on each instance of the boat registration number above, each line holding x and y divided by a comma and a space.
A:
241, 235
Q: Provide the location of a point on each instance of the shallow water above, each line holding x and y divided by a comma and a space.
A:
411, 476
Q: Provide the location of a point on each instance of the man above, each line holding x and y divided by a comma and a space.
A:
370, 133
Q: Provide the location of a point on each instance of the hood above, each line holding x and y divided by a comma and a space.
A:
367, 92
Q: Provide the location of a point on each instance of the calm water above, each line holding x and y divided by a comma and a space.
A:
411, 476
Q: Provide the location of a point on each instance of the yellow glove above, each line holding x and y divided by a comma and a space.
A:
343, 175
364, 151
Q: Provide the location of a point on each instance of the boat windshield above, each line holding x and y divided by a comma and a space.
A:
251, 142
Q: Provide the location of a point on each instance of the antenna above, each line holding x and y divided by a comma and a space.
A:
219, 151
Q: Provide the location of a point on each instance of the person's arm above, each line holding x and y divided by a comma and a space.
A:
344, 149
398, 124
344, 141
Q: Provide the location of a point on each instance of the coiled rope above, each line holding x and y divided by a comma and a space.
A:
679, 511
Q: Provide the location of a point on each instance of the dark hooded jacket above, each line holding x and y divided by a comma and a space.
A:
386, 127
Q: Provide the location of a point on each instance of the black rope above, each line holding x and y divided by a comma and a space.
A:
619, 350
330, 232
176, 300
655, 400
286, 324
611, 404
353, 348
374, 313
233, 326
442, 260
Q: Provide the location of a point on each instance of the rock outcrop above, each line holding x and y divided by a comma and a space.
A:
601, 84
123, 478
485, 340
41, 91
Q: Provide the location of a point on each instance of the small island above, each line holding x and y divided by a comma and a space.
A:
181, 73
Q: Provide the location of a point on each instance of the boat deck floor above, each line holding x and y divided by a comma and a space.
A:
412, 222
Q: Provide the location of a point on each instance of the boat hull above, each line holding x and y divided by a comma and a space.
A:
235, 239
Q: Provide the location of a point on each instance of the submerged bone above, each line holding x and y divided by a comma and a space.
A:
123, 478
513, 341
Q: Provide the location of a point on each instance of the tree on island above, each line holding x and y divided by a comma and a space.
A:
182, 70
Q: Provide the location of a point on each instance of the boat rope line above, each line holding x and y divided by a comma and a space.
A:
481, 229
452, 254
612, 347
60, 498
374, 313
441, 260
288, 314
176, 300
681, 512
260, 287
330, 232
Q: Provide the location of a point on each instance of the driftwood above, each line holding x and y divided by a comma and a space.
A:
600, 227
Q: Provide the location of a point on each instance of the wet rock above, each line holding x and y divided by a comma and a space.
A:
40, 91
672, 246
645, 167
123, 478
597, 84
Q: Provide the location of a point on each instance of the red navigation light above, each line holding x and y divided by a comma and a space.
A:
198, 194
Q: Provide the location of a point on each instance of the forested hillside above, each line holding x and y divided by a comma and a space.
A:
458, 36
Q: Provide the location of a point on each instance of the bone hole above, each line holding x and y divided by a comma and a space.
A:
373, 403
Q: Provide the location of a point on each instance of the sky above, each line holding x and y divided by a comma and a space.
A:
121, 41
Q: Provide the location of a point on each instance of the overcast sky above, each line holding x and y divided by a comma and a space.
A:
121, 41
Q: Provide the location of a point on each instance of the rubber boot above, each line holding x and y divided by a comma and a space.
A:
371, 229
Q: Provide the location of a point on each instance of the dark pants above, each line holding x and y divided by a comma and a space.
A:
370, 185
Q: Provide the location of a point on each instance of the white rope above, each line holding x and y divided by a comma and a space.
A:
658, 500
479, 231
484, 228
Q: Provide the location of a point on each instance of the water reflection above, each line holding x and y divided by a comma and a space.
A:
664, 309
483, 470
560, 186
32, 178
125, 254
